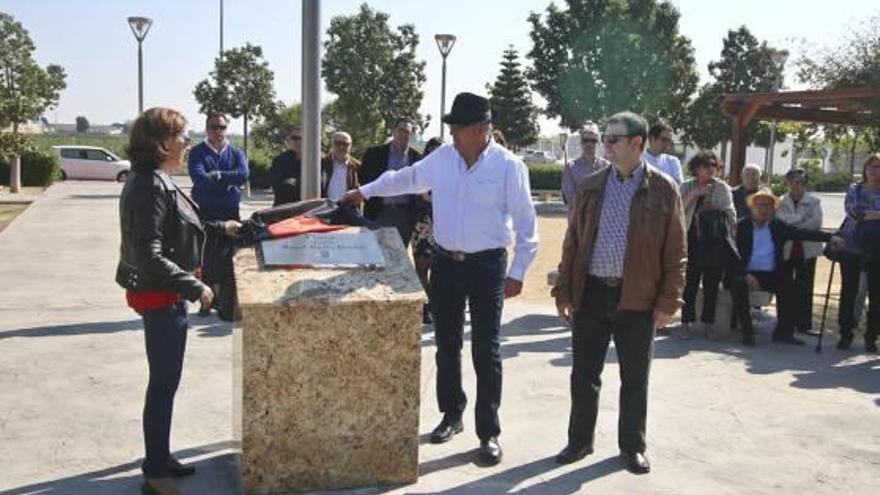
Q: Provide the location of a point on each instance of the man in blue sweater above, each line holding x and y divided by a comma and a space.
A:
218, 170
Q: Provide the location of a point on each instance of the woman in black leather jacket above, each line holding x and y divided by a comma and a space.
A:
160, 257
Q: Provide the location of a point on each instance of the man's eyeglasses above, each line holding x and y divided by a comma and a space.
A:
612, 139
589, 141
341, 144
217, 127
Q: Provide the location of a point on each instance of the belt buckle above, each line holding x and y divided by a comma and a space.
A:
458, 256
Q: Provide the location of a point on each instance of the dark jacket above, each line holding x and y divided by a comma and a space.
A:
780, 232
654, 265
162, 237
285, 174
740, 194
373, 164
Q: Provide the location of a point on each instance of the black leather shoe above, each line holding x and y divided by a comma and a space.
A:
490, 451
845, 342
573, 453
749, 339
870, 345
636, 462
788, 339
446, 430
426, 315
178, 470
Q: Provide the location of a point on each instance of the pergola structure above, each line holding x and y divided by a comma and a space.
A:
851, 106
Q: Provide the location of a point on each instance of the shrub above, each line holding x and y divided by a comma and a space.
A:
259, 162
545, 176
38, 169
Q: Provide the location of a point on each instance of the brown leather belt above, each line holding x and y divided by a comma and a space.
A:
608, 281
460, 256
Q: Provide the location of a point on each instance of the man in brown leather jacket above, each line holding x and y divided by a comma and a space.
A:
621, 276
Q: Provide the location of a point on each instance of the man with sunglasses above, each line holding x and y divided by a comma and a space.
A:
621, 276
218, 171
659, 141
588, 163
286, 170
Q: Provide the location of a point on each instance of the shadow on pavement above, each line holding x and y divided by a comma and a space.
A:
216, 473
203, 327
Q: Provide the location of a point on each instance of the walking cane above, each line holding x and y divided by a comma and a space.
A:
825, 309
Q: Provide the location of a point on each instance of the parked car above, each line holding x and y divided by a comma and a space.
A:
90, 162
535, 156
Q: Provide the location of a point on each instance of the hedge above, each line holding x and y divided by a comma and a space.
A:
545, 176
38, 169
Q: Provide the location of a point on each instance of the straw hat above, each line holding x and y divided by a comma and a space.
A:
763, 193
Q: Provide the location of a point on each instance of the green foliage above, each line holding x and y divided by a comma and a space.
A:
545, 176
511, 99
26, 89
13, 144
598, 57
276, 125
114, 144
82, 125
375, 74
240, 85
38, 169
259, 162
746, 66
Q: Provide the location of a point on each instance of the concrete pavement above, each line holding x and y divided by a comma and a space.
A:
722, 419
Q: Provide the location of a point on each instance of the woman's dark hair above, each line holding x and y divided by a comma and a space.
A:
873, 157
432, 145
703, 158
499, 138
145, 139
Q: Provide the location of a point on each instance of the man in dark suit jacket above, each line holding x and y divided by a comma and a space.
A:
760, 239
286, 170
397, 211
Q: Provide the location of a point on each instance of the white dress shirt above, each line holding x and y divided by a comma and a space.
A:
668, 164
338, 185
475, 208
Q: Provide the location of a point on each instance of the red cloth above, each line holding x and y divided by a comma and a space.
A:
301, 225
143, 302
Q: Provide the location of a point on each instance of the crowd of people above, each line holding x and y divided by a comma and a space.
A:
640, 244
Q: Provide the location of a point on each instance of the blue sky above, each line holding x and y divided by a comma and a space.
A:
92, 40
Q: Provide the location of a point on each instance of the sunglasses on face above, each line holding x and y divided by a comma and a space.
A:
589, 141
612, 139
217, 127
341, 144
664, 139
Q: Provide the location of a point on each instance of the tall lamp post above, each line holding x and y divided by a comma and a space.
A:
140, 26
445, 42
563, 142
779, 57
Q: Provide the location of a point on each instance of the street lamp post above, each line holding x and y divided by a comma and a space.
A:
779, 57
563, 142
445, 43
140, 26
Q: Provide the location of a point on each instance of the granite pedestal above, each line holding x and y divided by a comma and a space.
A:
330, 362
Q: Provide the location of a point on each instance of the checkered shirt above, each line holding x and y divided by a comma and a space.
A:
609, 248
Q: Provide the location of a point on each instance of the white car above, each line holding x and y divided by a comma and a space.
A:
90, 162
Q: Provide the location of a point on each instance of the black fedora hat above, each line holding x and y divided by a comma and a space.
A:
468, 108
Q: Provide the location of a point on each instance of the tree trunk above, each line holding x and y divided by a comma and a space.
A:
727, 169
15, 166
852, 158
247, 185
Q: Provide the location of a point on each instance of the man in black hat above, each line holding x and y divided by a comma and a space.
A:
480, 190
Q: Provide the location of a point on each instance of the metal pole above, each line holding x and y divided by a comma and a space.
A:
311, 99
771, 149
443, 98
221, 28
140, 79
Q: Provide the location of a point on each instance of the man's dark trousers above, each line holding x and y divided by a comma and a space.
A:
594, 324
480, 280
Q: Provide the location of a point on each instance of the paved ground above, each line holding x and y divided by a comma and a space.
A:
723, 419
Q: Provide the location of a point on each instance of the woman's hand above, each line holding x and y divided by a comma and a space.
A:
231, 228
207, 297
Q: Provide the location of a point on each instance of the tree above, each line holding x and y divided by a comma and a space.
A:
26, 90
746, 66
599, 57
374, 72
82, 125
240, 85
511, 99
854, 63
276, 126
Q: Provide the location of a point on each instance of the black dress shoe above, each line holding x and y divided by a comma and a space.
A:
446, 430
870, 345
845, 342
490, 451
636, 462
426, 315
572, 453
178, 470
788, 339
